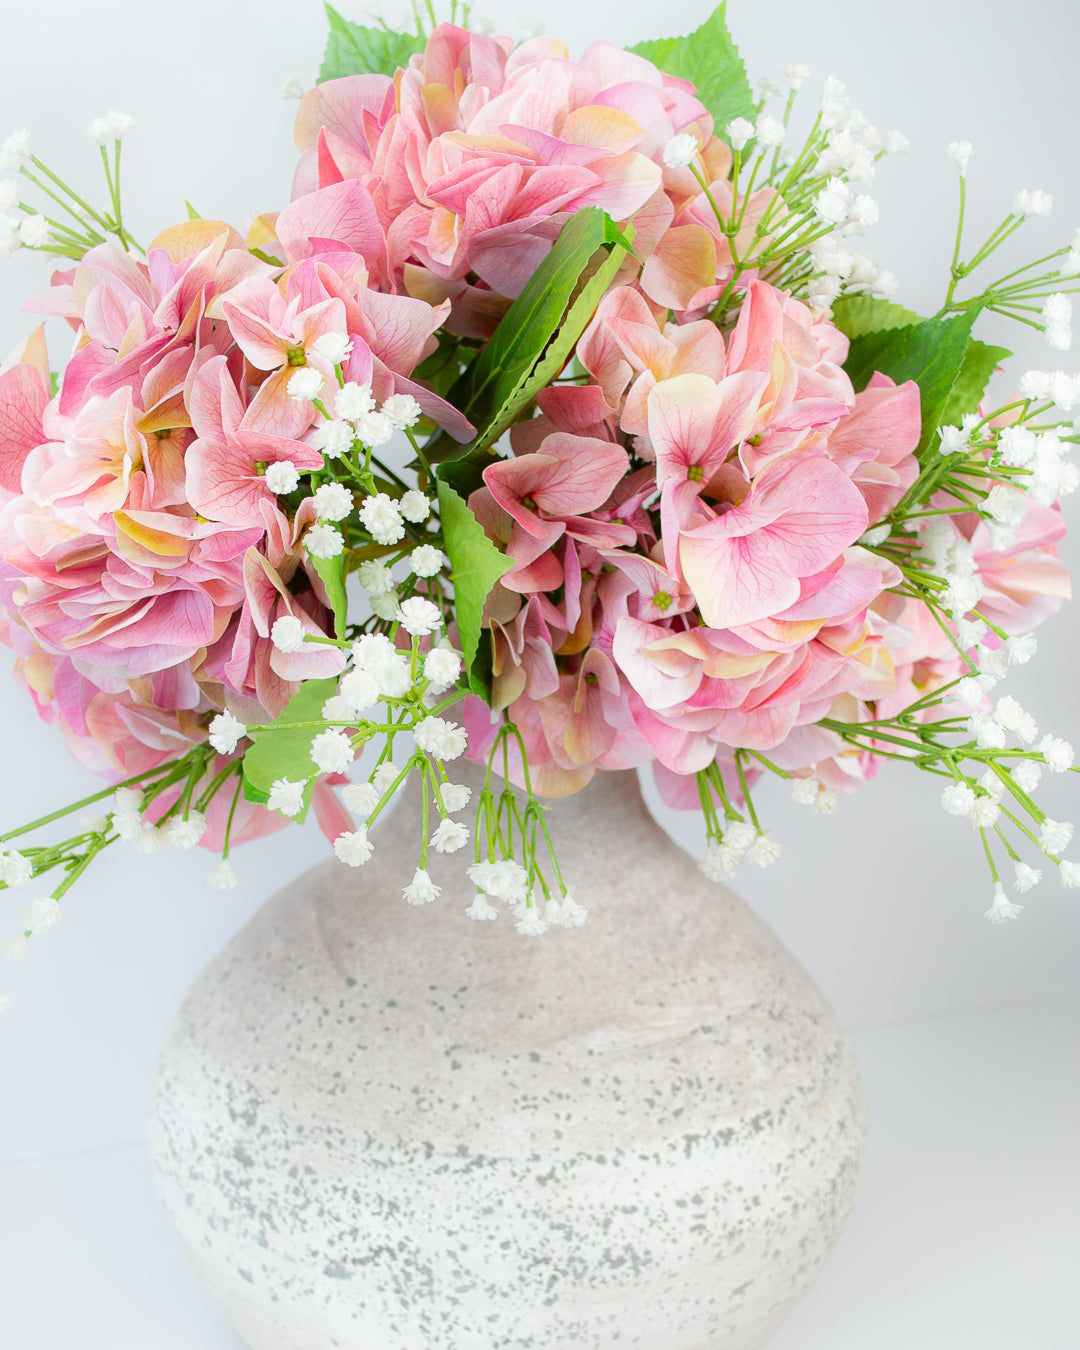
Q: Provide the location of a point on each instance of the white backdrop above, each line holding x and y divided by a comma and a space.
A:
882, 901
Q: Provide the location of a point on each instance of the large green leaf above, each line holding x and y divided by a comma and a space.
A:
539, 328
332, 571
286, 754
980, 361
354, 50
475, 566
710, 59
855, 315
931, 353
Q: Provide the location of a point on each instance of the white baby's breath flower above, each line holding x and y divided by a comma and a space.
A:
14, 948
501, 878
226, 732
1003, 909
402, 410
353, 847
1026, 877
15, 869
896, 143
332, 438
415, 506
1032, 203
93, 823
333, 501
34, 231
828, 799
287, 633
1026, 775
960, 153
721, 861
455, 796
739, 132
796, 76
958, 799
393, 675
771, 132
681, 151
435, 736
426, 561
333, 347
323, 541
804, 791
40, 915
286, 796
482, 908
989, 734
530, 922
292, 88
305, 385
360, 799
1021, 648
381, 518
282, 476
419, 617
332, 751
763, 852
1055, 836
984, 813
15, 152
354, 400
375, 577
181, 832
1069, 874
149, 839
384, 777
449, 836
1058, 754
421, 890
833, 202
954, 440
359, 691
223, 878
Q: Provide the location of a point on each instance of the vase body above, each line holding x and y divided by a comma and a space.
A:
381, 1127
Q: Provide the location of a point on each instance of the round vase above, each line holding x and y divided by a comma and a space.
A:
380, 1127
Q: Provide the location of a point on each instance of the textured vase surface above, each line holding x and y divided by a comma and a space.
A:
382, 1127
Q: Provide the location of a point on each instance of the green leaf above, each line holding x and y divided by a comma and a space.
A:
354, 50
931, 353
192, 213
855, 315
559, 349
537, 333
710, 59
475, 566
332, 571
287, 754
980, 362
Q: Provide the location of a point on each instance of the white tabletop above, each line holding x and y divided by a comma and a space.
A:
966, 1235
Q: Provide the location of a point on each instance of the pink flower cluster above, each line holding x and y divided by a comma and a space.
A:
710, 592
144, 556
455, 177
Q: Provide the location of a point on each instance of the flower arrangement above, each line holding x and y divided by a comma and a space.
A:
560, 395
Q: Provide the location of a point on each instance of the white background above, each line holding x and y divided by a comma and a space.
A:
882, 902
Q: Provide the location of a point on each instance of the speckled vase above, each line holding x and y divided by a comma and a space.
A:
377, 1127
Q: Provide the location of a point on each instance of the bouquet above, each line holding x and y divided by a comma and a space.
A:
560, 422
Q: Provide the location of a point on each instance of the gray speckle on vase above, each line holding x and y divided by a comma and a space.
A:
382, 1127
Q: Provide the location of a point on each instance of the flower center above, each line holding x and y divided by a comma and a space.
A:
296, 356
